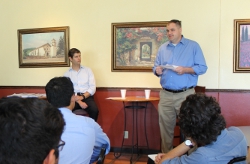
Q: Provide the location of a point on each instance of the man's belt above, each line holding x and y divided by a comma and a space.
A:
177, 91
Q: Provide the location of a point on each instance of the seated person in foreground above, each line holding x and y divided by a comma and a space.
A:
84, 137
203, 125
30, 131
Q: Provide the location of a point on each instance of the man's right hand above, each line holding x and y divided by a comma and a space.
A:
158, 70
158, 158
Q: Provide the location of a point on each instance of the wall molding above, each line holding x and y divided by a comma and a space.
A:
128, 88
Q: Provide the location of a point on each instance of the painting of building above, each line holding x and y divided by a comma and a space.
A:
45, 50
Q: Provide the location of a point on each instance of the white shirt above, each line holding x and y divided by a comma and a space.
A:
83, 80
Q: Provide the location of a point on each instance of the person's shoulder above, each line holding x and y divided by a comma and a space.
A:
64, 110
67, 113
186, 40
85, 68
67, 72
233, 129
87, 121
164, 44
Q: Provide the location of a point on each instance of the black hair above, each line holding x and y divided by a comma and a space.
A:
29, 129
200, 118
59, 91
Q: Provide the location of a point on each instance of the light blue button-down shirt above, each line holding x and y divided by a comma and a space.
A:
186, 53
83, 80
230, 143
83, 139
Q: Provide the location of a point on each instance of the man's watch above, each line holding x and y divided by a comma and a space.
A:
82, 94
189, 143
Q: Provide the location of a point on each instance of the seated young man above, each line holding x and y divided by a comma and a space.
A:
30, 131
203, 125
84, 137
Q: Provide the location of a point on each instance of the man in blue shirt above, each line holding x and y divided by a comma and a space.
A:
179, 62
84, 138
204, 127
84, 84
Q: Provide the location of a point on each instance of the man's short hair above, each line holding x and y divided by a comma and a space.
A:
200, 118
72, 51
59, 91
29, 129
175, 21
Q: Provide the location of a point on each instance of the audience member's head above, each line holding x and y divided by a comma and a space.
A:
30, 131
59, 91
200, 118
72, 51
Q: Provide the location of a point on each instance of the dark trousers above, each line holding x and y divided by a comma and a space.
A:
92, 109
150, 161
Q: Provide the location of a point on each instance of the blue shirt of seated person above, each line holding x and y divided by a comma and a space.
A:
83, 137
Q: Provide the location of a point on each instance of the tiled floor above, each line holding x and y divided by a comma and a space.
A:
125, 159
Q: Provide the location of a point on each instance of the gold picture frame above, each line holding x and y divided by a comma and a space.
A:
241, 59
135, 45
43, 47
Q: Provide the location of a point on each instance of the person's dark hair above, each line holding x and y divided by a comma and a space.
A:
175, 21
72, 51
59, 91
200, 118
29, 129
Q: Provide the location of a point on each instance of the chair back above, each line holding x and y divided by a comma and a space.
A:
102, 155
200, 89
237, 159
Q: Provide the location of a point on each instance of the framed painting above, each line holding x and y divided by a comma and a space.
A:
241, 58
135, 45
43, 47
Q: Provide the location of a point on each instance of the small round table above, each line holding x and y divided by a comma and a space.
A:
134, 100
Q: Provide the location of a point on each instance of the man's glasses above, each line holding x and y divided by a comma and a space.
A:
58, 148
60, 145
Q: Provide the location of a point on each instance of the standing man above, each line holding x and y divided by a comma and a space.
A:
186, 62
84, 84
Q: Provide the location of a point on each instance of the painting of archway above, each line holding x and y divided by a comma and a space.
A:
135, 45
145, 51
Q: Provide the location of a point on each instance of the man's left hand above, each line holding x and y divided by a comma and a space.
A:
180, 70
